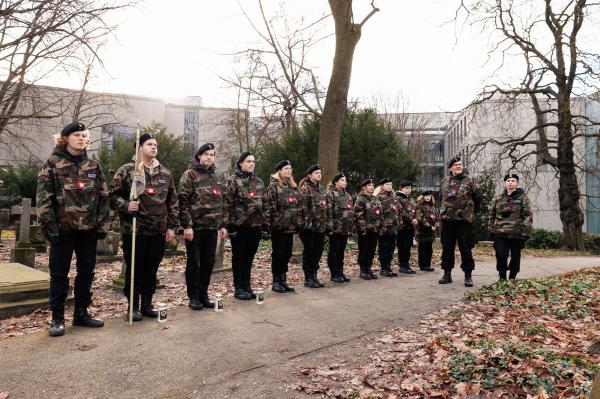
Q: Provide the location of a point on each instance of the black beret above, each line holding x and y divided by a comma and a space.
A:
427, 192
72, 128
313, 168
511, 176
145, 137
405, 183
452, 161
283, 164
384, 180
365, 182
337, 177
205, 147
244, 155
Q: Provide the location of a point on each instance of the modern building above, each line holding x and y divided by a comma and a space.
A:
479, 135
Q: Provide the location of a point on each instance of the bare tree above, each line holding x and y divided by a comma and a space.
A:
37, 39
546, 37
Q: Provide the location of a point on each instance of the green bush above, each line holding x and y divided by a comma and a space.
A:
19, 182
592, 243
544, 239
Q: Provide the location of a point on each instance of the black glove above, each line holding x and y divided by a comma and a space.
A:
265, 233
51, 236
101, 235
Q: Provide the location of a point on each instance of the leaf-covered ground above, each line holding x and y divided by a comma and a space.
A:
534, 338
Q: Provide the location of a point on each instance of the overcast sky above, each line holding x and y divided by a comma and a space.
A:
171, 49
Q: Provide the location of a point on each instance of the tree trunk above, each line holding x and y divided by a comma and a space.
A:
347, 35
568, 189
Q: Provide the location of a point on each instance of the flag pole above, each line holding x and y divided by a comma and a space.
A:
133, 197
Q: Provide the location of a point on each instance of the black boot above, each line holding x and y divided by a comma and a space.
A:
308, 280
373, 275
57, 325
283, 281
316, 279
277, 286
137, 316
468, 279
446, 278
147, 309
249, 290
195, 304
336, 278
405, 269
82, 318
242, 294
364, 273
502, 275
512, 275
426, 268
205, 300
386, 271
346, 278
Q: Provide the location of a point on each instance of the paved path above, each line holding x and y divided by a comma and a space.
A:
247, 351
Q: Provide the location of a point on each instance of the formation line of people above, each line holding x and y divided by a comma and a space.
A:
73, 201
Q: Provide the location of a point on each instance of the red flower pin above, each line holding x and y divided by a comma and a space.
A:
80, 185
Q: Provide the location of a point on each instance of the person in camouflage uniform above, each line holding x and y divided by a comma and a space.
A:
406, 232
315, 223
72, 207
201, 216
342, 222
243, 214
282, 211
510, 224
426, 229
389, 225
367, 217
157, 214
460, 200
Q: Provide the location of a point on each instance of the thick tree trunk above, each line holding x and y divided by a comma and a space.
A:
347, 35
568, 189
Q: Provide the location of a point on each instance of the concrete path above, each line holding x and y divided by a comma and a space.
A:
248, 351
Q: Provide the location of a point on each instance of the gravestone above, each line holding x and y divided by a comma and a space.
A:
4, 221
222, 246
108, 248
36, 238
23, 252
171, 248
23, 289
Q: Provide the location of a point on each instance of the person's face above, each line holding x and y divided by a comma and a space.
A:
511, 184
457, 168
150, 148
369, 188
427, 198
286, 171
406, 190
248, 164
315, 176
207, 158
341, 184
387, 187
77, 140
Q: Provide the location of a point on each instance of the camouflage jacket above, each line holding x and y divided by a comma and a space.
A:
389, 213
243, 201
367, 214
315, 213
511, 215
200, 198
158, 208
427, 220
408, 211
342, 211
461, 198
282, 206
71, 194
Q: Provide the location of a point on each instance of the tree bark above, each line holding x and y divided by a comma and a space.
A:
347, 35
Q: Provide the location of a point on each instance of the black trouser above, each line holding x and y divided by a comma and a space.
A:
461, 232
200, 262
149, 252
502, 246
387, 244
313, 250
243, 249
404, 241
425, 250
367, 245
282, 244
83, 243
335, 256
